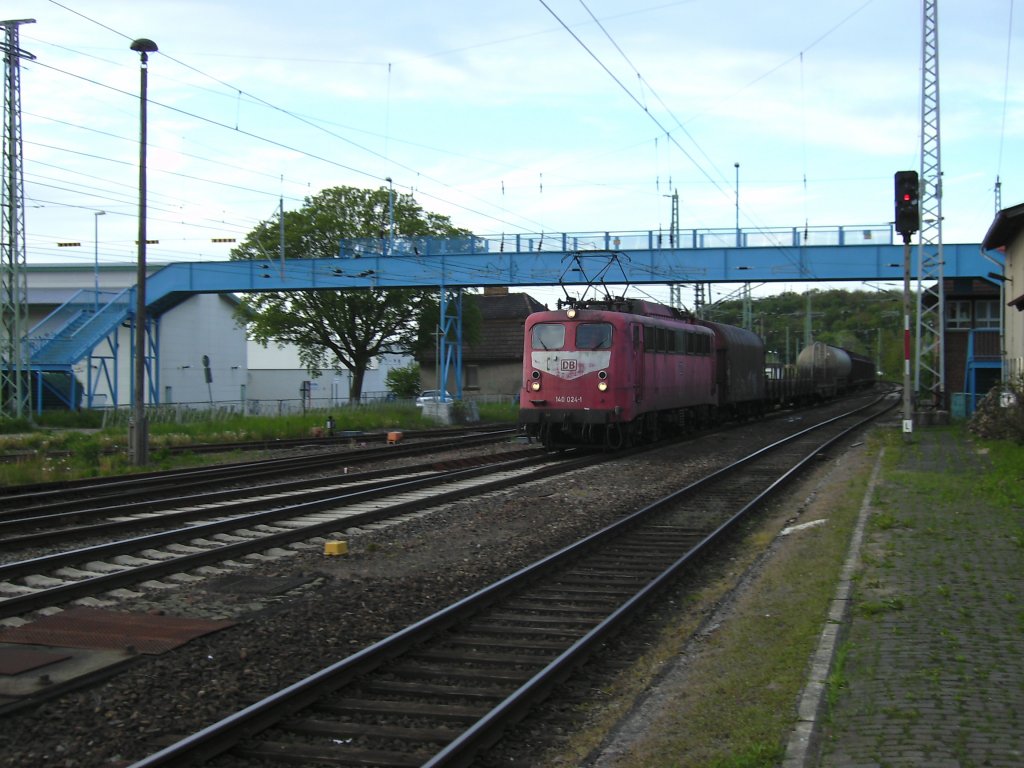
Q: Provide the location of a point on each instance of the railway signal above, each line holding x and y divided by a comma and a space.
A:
908, 221
908, 209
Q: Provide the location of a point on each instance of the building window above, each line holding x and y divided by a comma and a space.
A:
472, 376
986, 313
958, 314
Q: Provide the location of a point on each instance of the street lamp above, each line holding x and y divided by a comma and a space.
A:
138, 433
96, 257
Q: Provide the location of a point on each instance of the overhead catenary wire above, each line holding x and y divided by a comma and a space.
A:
237, 93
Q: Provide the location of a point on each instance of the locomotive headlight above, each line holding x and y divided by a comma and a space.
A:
535, 386
602, 386
570, 313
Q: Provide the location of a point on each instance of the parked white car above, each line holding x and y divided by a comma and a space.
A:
431, 396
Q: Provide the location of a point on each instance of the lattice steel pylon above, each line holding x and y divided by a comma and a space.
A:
929, 375
15, 366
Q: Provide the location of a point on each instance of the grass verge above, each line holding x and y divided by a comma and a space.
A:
93, 452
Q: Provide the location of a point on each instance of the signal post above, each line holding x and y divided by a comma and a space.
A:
908, 221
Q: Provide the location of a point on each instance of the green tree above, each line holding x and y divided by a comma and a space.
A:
335, 329
405, 381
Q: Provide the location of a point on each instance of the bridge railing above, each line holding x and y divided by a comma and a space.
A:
763, 237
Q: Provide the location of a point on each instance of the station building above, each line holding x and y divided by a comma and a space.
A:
1005, 239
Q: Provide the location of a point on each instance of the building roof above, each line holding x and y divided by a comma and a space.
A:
507, 306
1006, 227
503, 317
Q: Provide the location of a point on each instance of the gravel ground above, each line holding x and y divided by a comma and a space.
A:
392, 576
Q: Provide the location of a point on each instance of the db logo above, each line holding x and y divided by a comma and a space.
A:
569, 366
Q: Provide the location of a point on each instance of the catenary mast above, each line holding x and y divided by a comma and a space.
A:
929, 377
15, 367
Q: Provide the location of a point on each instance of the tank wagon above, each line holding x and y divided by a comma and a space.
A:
834, 370
615, 372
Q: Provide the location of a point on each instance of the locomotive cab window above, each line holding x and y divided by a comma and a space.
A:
548, 336
594, 336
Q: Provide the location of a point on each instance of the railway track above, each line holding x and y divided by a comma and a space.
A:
78, 519
46, 498
342, 438
285, 525
445, 688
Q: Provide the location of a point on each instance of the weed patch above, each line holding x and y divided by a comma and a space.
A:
878, 607
837, 680
883, 521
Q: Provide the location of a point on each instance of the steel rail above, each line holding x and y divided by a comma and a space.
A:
63, 523
487, 730
45, 499
223, 735
14, 606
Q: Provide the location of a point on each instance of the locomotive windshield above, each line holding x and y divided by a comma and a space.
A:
594, 336
548, 336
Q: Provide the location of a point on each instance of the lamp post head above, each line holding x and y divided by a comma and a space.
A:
144, 45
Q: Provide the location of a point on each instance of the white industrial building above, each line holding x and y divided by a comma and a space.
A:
202, 356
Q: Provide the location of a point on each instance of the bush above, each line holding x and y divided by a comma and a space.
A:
14, 426
404, 382
994, 419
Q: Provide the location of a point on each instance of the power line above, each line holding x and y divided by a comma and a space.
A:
289, 113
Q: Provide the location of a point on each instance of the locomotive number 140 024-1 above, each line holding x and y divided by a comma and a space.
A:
568, 399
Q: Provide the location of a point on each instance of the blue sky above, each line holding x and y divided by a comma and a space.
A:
498, 116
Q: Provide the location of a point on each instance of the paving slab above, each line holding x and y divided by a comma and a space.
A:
931, 647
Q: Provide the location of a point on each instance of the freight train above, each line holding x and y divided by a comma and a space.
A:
615, 372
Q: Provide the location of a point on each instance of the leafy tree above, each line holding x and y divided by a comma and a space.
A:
336, 329
868, 323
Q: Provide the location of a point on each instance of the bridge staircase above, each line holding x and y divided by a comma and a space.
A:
70, 334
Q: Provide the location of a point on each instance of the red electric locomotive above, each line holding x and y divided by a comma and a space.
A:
613, 372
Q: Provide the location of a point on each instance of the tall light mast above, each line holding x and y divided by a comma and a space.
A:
15, 366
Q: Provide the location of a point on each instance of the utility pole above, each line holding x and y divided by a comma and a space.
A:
15, 362
739, 240
139, 432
